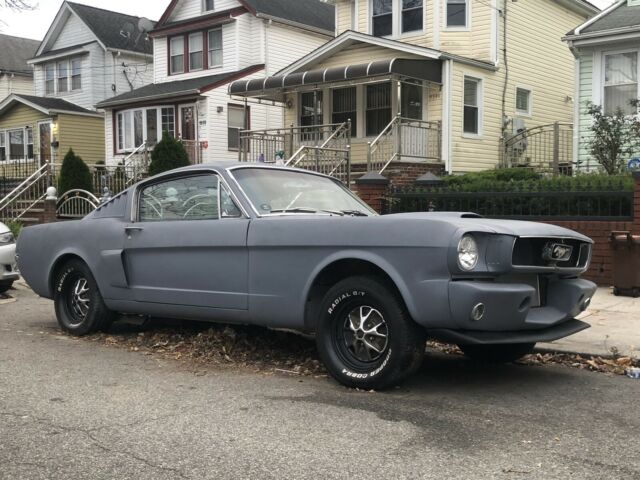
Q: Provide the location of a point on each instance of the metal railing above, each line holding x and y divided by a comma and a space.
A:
545, 148
405, 139
281, 144
26, 195
194, 151
76, 204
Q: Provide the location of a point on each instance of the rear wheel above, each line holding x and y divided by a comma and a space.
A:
79, 307
365, 336
497, 353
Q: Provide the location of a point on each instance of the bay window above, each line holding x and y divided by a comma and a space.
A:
63, 76
76, 74
620, 83
195, 51
457, 13
215, 47
50, 78
378, 108
137, 126
176, 55
471, 109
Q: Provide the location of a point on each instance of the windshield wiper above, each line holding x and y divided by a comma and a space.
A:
354, 213
306, 210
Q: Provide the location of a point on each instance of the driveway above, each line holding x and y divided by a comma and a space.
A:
76, 409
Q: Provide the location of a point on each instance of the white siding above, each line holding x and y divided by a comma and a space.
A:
193, 8
286, 45
15, 84
585, 88
74, 32
250, 37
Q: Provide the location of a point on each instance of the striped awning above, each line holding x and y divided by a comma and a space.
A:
422, 69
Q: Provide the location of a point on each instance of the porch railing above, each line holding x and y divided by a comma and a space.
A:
26, 194
405, 139
281, 144
545, 148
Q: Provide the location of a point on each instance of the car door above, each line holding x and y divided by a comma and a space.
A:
183, 249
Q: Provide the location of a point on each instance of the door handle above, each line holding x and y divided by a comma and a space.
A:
133, 229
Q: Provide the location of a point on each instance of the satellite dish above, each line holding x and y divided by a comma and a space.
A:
127, 30
145, 25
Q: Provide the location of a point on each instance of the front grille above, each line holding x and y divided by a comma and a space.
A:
529, 252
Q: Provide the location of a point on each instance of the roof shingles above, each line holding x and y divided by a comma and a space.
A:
624, 16
14, 53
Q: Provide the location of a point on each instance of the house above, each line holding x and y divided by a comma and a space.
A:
606, 50
200, 47
445, 83
16, 75
88, 54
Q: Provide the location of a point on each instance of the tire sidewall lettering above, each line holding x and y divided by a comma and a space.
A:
63, 278
352, 294
364, 376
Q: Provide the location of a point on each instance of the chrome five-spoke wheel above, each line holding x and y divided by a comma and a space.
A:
80, 302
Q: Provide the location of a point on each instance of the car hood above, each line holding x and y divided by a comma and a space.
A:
476, 223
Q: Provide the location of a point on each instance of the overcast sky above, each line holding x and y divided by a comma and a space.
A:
34, 24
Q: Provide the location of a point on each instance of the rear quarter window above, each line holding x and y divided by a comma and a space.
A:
114, 208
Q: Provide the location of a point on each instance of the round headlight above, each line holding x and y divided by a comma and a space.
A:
467, 253
6, 238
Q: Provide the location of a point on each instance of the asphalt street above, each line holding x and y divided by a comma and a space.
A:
75, 409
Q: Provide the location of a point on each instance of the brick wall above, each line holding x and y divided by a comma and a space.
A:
375, 189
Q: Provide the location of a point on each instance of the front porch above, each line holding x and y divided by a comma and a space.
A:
350, 118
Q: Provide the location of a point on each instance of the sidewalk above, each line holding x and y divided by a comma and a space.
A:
615, 323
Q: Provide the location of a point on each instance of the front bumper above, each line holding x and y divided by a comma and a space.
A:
8, 267
509, 307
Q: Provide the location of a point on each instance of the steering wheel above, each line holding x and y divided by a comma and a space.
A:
194, 198
199, 204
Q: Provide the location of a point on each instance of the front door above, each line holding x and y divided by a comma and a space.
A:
414, 135
188, 131
44, 134
182, 250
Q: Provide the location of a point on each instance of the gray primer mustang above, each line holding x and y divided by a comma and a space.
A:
279, 247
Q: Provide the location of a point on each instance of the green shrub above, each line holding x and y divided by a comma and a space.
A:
74, 174
168, 154
15, 227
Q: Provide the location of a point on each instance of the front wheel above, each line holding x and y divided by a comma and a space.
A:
365, 336
79, 307
497, 353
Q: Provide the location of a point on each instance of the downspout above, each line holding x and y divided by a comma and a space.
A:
505, 87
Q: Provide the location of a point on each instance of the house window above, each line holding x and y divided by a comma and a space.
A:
311, 108
382, 19
523, 101
344, 107
50, 78
177, 54
16, 144
471, 106
168, 121
134, 127
620, 82
457, 13
29, 137
76, 74
215, 48
412, 17
3, 147
237, 121
63, 76
378, 108
195, 51
208, 5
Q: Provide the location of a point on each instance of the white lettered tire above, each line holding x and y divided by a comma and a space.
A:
365, 336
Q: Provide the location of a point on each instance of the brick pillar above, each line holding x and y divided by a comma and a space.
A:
636, 204
49, 215
373, 188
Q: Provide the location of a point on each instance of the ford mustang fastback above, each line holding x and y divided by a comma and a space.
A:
286, 248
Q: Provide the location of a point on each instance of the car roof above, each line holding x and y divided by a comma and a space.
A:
231, 164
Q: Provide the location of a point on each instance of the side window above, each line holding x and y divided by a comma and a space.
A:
186, 198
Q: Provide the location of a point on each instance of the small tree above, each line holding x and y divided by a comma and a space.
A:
613, 139
74, 174
168, 154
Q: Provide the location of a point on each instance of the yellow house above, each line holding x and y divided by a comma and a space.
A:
40, 129
444, 82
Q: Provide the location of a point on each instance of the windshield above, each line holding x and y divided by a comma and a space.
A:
273, 191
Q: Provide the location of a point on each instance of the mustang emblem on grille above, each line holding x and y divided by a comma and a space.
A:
557, 252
